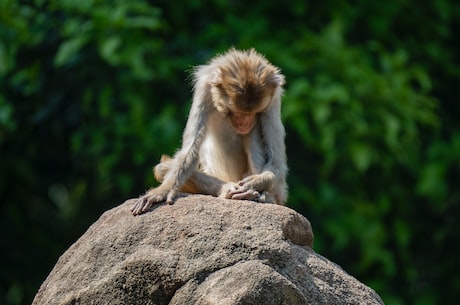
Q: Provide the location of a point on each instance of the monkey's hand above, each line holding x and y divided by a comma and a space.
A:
254, 188
243, 194
259, 182
155, 195
232, 190
227, 188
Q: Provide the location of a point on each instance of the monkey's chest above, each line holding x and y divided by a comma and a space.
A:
224, 157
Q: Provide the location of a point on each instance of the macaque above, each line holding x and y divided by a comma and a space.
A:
233, 142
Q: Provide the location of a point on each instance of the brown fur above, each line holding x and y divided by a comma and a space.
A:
248, 78
233, 142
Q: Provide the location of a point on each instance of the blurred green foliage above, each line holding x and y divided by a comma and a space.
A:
92, 93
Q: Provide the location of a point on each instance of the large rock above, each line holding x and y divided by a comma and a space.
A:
201, 250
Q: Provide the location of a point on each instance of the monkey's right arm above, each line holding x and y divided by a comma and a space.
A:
185, 161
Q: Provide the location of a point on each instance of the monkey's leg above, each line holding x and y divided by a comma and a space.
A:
161, 169
250, 194
201, 183
198, 183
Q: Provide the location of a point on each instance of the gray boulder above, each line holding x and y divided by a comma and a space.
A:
200, 250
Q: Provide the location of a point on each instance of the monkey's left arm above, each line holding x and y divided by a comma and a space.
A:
272, 177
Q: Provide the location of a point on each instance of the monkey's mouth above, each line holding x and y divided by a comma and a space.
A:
242, 123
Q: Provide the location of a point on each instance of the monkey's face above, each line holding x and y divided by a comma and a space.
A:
242, 122
243, 111
241, 86
241, 108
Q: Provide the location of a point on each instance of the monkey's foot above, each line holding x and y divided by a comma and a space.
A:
250, 194
265, 197
244, 195
157, 195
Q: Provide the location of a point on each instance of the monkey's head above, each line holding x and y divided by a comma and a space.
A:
242, 86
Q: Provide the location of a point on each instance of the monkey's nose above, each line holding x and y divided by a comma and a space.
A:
243, 123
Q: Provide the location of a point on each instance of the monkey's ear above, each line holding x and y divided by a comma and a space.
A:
216, 78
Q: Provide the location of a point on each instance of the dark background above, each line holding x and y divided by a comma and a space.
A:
93, 92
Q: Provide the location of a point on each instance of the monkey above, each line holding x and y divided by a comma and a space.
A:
233, 142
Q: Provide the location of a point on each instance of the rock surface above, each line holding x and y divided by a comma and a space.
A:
201, 250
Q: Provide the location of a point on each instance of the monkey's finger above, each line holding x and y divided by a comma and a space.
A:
137, 207
248, 183
244, 181
231, 193
146, 204
236, 191
247, 195
133, 208
171, 196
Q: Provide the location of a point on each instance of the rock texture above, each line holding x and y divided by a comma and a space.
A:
201, 250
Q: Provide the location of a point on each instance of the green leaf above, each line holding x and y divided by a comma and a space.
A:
69, 49
361, 155
109, 48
